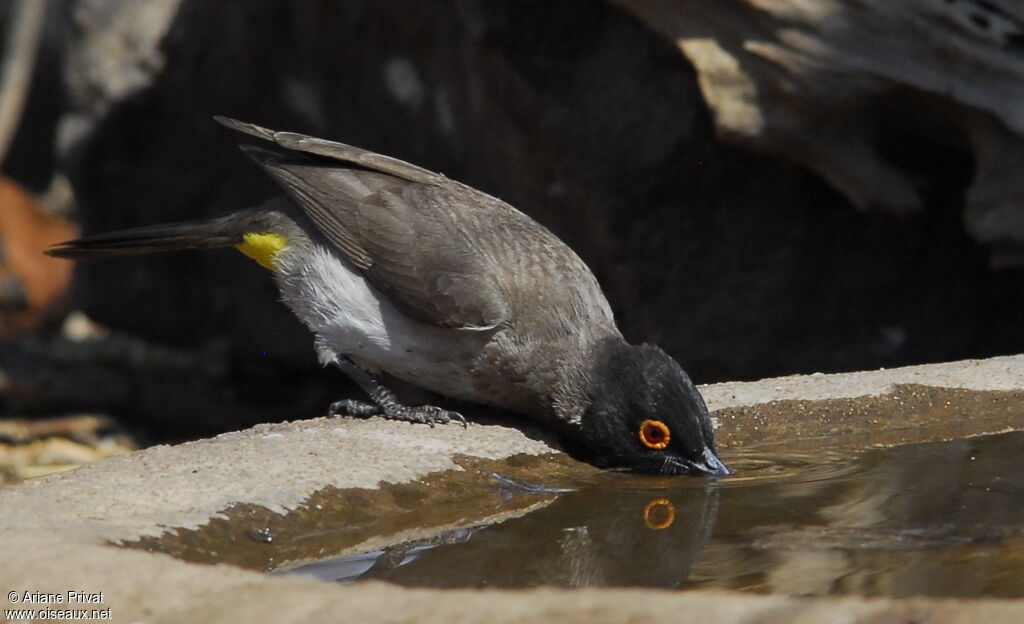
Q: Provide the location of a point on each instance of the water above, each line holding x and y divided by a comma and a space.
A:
937, 519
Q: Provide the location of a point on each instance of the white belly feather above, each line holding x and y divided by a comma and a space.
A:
351, 317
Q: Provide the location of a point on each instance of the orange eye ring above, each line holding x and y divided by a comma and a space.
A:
659, 514
654, 434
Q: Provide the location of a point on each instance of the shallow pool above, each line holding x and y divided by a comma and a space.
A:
939, 519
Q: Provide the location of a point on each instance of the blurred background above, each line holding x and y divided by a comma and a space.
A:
761, 188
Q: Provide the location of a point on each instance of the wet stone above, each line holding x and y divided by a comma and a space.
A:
334, 521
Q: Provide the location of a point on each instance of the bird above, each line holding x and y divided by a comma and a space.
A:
400, 270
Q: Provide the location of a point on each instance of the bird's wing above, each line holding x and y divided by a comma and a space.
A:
336, 151
403, 226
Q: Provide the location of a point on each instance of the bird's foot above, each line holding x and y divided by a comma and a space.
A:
353, 408
384, 403
427, 414
393, 410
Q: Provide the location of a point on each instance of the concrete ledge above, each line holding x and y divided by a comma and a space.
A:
851, 411
139, 587
994, 374
275, 466
55, 531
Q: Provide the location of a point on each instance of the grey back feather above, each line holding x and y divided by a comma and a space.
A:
443, 252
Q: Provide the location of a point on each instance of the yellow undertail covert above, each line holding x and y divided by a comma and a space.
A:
262, 247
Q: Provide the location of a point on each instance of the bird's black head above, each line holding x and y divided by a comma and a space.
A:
645, 414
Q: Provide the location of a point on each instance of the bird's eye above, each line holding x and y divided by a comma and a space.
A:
654, 434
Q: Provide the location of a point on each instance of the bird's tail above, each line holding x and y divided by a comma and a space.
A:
225, 231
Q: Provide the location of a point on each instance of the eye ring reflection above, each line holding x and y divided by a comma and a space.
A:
659, 513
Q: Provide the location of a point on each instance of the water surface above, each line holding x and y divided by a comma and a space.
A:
939, 519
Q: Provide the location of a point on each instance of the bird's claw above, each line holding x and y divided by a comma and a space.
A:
421, 414
428, 414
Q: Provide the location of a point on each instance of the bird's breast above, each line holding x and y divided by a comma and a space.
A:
352, 317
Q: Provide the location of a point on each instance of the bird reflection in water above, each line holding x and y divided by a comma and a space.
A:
589, 537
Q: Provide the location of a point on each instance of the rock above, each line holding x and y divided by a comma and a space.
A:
831, 85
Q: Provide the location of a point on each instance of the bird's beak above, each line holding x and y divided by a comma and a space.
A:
709, 464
